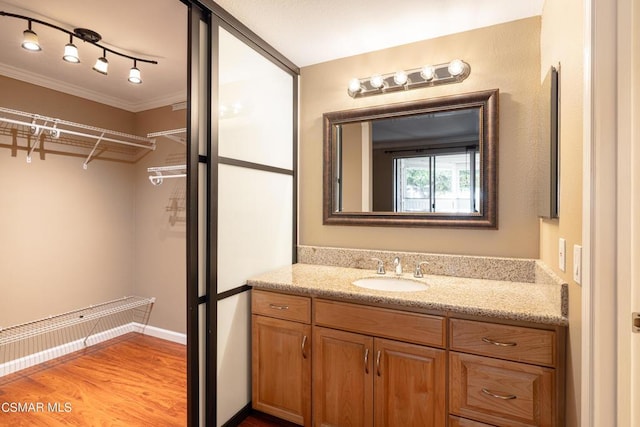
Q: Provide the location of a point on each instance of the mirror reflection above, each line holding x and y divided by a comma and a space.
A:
421, 163
430, 162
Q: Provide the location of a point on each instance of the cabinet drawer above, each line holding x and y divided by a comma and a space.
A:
381, 322
281, 306
500, 392
506, 342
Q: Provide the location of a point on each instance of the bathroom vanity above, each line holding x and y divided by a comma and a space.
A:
462, 352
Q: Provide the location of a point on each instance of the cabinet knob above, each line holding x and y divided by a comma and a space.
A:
378, 362
366, 361
279, 307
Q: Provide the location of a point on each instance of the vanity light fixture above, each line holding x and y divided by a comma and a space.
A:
428, 75
30, 42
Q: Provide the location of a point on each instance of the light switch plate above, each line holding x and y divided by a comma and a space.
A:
562, 252
577, 263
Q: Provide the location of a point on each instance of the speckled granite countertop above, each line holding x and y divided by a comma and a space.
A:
539, 303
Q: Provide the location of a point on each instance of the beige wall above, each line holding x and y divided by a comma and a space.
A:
504, 56
73, 237
160, 247
352, 167
561, 41
67, 233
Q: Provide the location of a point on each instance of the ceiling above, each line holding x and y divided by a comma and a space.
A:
305, 31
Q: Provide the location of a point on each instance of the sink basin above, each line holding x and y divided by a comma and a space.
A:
391, 284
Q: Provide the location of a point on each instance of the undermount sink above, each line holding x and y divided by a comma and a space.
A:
392, 284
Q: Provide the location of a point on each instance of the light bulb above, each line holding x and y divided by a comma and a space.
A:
71, 53
400, 78
427, 72
354, 86
376, 81
30, 40
456, 67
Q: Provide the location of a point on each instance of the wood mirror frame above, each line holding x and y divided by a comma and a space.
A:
487, 217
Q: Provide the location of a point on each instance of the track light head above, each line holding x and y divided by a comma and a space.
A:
102, 65
71, 52
134, 75
30, 40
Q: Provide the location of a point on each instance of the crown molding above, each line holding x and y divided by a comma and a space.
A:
71, 89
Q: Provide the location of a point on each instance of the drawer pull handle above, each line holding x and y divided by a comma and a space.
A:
279, 307
366, 361
378, 363
499, 396
304, 344
498, 343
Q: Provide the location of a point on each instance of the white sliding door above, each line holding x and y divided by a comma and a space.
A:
255, 200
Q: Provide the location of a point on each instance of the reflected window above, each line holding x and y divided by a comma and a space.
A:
442, 182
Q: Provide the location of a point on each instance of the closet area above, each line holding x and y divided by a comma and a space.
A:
93, 182
144, 207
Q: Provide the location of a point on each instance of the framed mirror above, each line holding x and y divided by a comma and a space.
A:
427, 163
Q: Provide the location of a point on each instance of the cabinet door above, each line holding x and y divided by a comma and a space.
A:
282, 369
409, 385
342, 379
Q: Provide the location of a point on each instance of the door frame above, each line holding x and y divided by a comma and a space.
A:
610, 240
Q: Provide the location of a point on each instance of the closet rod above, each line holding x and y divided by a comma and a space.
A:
159, 173
55, 130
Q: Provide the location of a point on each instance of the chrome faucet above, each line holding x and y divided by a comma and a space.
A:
380, 267
418, 272
398, 265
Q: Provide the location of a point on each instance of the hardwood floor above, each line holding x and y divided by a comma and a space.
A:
133, 380
263, 420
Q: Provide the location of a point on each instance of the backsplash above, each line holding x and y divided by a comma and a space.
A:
476, 267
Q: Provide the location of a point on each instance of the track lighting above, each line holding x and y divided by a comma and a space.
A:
30, 42
428, 75
71, 52
102, 65
134, 74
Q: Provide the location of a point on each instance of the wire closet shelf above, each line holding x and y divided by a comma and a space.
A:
40, 126
93, 313
33, 343
159, 173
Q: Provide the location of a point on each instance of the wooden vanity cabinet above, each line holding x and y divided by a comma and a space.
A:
505, 375
360, 379
281, 356
382, 367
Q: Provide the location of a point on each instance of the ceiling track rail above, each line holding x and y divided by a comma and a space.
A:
54, 128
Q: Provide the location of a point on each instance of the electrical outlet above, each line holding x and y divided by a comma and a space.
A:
577, 264
562, 251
